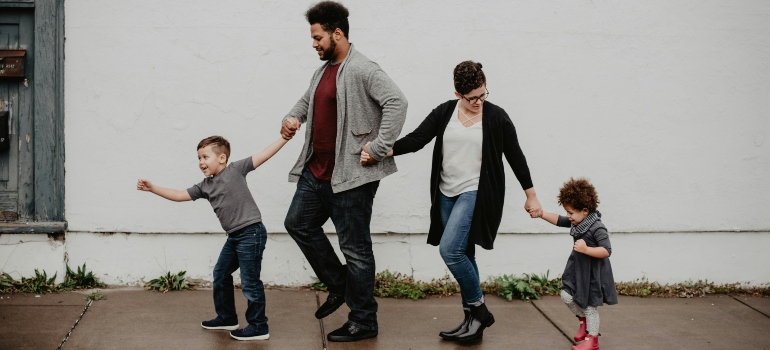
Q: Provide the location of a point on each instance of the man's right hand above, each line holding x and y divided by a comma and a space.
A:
289, 128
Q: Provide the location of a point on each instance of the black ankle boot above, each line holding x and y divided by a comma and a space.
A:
480, 318
462, 328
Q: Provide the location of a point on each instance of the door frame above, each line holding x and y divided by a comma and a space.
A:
48, 118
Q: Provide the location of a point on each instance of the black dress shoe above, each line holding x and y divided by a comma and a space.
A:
462, 328
332, 303
481, 318
349, 332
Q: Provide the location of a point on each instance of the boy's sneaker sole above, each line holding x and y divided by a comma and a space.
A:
256, 337
229, 328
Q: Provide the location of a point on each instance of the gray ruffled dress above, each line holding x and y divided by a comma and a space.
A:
589, 280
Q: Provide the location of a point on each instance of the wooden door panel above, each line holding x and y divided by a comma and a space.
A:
17, 164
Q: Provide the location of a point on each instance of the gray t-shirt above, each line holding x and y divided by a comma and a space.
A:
230, 196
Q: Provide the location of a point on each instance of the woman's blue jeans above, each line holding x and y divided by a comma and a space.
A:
458, 255
243, 249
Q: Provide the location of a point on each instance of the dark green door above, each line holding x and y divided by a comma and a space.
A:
16, 98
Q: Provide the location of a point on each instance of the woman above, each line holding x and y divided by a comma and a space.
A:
467, 185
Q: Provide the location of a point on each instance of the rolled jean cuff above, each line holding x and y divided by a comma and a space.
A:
478, 302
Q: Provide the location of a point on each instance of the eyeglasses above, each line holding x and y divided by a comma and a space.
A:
481, 97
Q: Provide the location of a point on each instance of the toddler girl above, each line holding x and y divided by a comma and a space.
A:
587, 280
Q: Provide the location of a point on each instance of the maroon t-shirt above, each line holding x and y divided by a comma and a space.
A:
325, 125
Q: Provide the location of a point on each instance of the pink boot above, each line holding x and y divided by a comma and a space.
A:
581, 333
591, 343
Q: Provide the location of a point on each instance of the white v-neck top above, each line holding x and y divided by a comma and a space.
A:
461, 164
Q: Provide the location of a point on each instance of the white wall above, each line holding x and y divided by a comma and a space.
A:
663, 105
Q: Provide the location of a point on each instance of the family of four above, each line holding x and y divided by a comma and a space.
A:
353, 114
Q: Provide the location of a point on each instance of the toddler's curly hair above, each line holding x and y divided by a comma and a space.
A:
579, 194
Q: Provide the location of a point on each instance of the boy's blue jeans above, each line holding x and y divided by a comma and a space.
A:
458, 255
351, 212
243, 249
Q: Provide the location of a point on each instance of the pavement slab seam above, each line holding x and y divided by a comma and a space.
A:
554, 325
321, 323
751, 307
88, 304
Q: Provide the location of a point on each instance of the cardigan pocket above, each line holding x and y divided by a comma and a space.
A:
359, 139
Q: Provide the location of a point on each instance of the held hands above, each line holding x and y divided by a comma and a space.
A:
533, 207
289, 128
144, 185
580, 246
366, 158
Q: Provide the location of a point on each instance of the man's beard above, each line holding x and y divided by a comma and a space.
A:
328, 53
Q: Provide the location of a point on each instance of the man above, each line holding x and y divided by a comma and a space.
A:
351, 105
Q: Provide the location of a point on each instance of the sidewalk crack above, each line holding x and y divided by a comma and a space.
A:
554, 324
751, 307
88, 304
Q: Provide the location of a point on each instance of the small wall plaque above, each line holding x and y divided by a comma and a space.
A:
12, 63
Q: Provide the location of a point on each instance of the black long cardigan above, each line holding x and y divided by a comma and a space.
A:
499, 137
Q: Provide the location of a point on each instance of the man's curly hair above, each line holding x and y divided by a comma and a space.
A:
579, 194
330, 15
218, 145
468, 76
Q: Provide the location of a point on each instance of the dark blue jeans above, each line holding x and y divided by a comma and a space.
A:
351, 212
458, 255
243, 249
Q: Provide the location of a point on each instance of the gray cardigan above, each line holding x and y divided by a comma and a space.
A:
370, 107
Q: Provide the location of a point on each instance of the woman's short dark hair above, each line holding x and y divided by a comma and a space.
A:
579, 194
330, 15
468, 76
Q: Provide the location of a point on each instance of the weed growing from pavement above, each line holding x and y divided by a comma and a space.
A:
96, 296
168, 282
533, 286
42, 284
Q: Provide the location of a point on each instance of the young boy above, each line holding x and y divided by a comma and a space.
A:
225, 188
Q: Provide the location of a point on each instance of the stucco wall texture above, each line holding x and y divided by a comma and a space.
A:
662, 105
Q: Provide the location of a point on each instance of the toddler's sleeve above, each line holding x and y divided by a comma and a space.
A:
563, 222
603, 239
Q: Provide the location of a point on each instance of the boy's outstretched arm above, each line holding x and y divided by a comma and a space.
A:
268, 152
168, 193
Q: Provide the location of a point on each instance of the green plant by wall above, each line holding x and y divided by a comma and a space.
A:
82, 279
533, 286
170, 282
42, 284
318, 286
387, 284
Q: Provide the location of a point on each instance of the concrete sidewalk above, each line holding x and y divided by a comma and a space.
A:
137, 319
